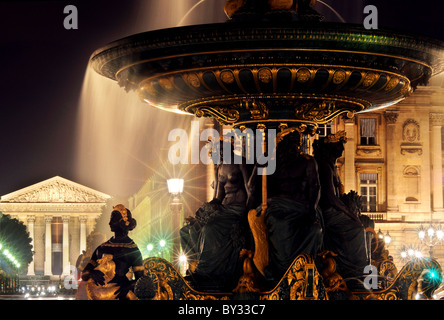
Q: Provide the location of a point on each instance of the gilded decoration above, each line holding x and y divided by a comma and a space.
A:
223, 115
258, 109
193, 79
369, 79
302, 281
339, 76
107, 291
404, 282
303, 75
323, 111
265, 75
392, 83
172, 286
227, 76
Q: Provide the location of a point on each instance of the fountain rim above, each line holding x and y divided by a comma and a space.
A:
423, 43
182, 50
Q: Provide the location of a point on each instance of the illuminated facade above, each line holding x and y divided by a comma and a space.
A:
59, 215
394, 159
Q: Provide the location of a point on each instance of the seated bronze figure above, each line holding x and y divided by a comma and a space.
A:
344, 232
106, 272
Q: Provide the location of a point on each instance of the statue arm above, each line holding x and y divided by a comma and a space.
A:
137, 266
89, 271
328, 191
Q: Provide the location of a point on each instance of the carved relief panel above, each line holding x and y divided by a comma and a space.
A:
411, 137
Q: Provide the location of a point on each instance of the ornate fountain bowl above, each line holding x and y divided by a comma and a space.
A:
250, 74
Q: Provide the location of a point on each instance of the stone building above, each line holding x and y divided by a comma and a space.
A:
394, 159
59, 215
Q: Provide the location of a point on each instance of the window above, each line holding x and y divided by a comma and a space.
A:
368, 132
411, 174
369, 188
325, 129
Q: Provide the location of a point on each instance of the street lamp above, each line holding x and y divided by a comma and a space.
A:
386, 238
410, 253
431, 236
175, 188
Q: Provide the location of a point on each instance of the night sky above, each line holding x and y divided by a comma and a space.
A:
43, 67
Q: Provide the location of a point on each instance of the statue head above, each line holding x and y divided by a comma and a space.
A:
289, 143
330, 146
217, 147
121, 219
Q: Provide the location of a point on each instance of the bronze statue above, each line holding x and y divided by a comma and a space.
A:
216, 235
292, 219
106, 272
344, 231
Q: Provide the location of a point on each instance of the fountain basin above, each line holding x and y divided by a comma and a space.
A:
270, 73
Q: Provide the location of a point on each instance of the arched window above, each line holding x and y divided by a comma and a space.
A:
411, 176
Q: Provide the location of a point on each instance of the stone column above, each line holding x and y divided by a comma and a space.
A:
65, 245
390, 118
83, 233
436, 121
48, 246
30, 222
349, 156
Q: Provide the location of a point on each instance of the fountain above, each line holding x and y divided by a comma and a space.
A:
272, 65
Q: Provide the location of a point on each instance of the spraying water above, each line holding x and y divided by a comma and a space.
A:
120, 138
333, 10
189, 12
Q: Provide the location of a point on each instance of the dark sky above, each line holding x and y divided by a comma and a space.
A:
43, 67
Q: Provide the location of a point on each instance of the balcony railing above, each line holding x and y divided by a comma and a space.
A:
376, 216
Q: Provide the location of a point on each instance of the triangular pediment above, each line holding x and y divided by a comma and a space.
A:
56, 189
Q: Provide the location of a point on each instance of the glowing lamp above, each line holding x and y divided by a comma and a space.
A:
387, 238
175, 186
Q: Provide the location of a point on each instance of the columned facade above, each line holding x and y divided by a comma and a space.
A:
59, 215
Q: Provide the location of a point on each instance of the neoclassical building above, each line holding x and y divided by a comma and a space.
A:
394, 159
59, 215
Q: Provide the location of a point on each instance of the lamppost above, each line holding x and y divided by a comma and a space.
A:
410, 253
160, 248
175, 188
431, 236
386, 238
